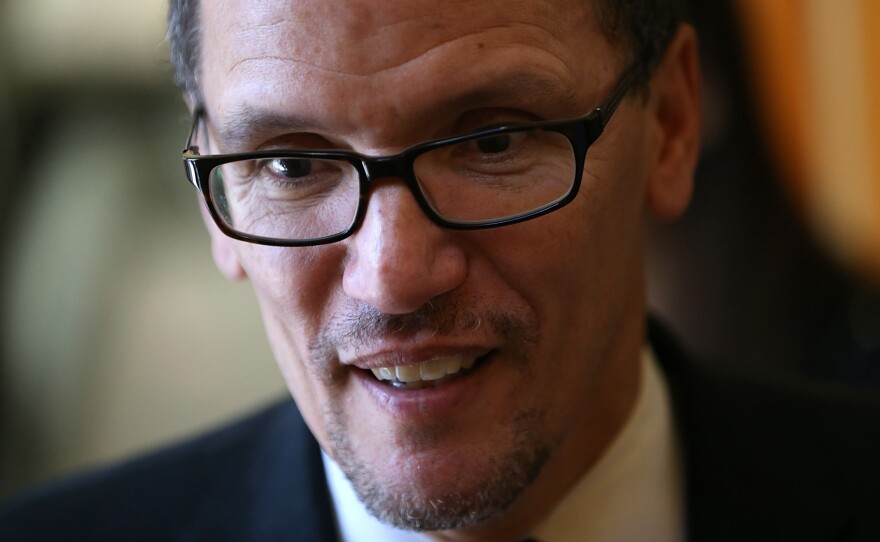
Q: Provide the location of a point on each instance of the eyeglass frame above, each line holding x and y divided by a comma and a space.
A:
581, 132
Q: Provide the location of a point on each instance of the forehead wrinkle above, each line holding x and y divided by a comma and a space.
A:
507, 86
285, 59
374, 45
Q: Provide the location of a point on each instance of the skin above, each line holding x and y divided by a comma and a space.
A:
558, 302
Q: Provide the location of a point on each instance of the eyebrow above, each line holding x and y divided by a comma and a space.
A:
247, 124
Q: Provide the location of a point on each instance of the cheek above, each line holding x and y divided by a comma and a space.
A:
294, 289
292, 282
580, 268
569, 265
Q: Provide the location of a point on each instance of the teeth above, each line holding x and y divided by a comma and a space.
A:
408, 373
433, 369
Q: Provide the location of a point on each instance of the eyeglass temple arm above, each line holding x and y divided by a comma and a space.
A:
607, 109
197, 115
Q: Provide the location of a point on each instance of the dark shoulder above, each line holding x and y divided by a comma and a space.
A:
823, 418
151, 496
790, 457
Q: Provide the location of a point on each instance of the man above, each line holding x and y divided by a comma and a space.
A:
536, 328
440, 207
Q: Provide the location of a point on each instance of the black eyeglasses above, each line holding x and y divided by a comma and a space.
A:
485, 179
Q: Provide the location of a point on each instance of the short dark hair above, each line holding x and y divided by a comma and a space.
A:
643, 27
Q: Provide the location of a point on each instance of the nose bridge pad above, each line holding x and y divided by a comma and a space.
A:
395, 167
387, 166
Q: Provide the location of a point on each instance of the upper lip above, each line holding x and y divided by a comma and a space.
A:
393, 357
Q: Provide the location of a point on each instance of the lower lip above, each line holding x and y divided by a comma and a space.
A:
431, 401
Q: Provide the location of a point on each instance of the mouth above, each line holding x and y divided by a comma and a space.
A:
429, 373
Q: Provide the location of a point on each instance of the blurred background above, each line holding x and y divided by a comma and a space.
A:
118, 335
116, 331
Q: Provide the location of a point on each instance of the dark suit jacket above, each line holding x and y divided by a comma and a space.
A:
763, 461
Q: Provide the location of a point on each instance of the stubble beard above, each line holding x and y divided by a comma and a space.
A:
502, 477
502, 480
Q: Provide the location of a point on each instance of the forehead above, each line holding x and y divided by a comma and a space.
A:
389, 56
358, 32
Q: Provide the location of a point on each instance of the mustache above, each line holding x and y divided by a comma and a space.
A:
359, 324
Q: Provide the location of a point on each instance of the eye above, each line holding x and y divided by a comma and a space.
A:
291, 168
501, 143
494, 144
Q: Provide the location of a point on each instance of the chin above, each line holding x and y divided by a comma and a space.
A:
430, 487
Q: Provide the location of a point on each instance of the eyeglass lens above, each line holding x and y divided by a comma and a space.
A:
469, 182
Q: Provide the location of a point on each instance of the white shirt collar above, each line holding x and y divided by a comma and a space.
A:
633, 493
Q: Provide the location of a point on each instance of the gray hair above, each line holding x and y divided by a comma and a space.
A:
184, 36
642, 27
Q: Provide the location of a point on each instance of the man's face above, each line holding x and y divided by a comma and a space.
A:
539, 323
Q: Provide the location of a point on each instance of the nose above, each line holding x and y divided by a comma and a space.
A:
399, 259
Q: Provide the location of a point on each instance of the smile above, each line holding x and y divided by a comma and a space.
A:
426, 373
